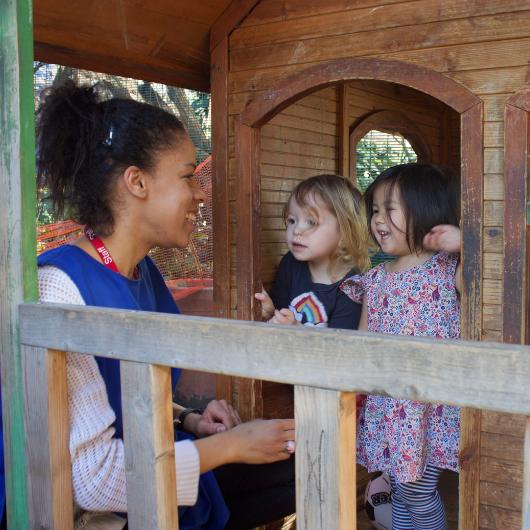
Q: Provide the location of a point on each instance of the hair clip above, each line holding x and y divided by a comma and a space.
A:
108, 140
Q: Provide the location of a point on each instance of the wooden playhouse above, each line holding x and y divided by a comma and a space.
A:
295, 85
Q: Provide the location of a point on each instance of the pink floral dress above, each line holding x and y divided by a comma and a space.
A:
401, 436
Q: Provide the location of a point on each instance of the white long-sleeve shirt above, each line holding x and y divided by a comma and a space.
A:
98, 463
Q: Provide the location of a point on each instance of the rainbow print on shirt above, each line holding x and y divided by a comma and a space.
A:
309, 310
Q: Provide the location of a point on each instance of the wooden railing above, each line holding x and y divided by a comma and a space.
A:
326, 367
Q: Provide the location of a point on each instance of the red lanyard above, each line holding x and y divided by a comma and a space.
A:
101, 249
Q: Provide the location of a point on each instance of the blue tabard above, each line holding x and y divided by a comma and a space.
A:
102, 287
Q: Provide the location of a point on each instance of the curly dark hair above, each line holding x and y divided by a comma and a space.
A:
84, 143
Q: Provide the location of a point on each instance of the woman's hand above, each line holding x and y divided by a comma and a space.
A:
284, 316
263, 441
254, 442
443, 237
267, 307
218, 416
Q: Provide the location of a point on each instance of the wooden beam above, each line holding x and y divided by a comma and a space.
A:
325, 459
515, 275
526, 478
229, 19
248, 222
343, 130
247, 392
260, 110
220, 181
149, 446
135, 67
17, 235
47, 439
220, 190
475, 374
472, 183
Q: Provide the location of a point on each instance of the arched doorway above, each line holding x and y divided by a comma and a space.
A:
469, 107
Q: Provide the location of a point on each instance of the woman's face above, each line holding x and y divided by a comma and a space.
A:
174, 196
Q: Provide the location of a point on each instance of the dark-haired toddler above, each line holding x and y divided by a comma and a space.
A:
413, 216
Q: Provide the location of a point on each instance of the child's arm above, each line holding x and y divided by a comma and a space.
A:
448, 239
267, 307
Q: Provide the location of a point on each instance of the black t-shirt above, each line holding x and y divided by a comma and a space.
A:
315, 303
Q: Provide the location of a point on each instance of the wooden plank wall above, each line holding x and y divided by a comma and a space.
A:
484, 46
299, 142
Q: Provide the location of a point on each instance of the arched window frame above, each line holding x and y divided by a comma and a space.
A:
390, 122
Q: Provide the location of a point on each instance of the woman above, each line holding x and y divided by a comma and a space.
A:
125, 170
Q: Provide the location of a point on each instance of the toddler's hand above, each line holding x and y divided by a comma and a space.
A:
284, 316
267, 307
443, 237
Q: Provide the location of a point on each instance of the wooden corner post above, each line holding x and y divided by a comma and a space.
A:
325, 459
17, 234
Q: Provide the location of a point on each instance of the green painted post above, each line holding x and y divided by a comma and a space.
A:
17, 234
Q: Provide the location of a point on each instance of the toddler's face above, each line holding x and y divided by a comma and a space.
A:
312, 232
388, 222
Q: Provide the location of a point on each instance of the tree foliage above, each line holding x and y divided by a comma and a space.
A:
377, 151
193, 108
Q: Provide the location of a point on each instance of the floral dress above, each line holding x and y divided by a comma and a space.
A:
402, 436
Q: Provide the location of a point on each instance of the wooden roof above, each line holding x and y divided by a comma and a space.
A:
156, 40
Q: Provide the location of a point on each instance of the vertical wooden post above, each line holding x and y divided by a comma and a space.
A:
248, 392
222, 273
526, 477
516, 175
149, 446
325, 459
47, 428
17, 234
343, 127
472, 194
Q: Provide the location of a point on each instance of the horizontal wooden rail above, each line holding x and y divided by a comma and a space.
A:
324, 365
468, 374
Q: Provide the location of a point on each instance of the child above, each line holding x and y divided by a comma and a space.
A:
413, 216
328, 240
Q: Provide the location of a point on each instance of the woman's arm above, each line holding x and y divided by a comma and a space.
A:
254, 442
98, 462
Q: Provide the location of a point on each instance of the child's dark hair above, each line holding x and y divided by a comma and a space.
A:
429, 196
84, 143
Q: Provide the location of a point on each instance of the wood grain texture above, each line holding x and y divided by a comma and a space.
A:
246, 392
490, 28
160, 41
482, 375
248, 221
325, 459
18, 280
149, 446
343, 127
515, 273
263, 108
47, 430
230, 18
350, 18
220, 183
471, 303
526, 478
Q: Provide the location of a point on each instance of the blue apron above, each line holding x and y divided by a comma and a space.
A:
100, 286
